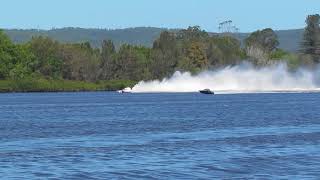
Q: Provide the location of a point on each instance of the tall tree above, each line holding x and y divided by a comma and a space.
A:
196, 59
164, 55
223, 50
80, 62
5, 56
132, 63
192, 33
107, 58
260, 44
16, 61
265, 39
46, 52
311, 39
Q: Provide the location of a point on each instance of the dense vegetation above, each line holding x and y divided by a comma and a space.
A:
44, 64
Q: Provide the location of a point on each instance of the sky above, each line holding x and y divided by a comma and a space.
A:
247, 15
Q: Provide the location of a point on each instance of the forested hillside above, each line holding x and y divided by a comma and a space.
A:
44, 63
289, 39
133, 36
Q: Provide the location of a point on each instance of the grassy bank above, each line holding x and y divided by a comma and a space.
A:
44, 85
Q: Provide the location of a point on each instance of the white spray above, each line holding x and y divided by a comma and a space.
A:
236, 79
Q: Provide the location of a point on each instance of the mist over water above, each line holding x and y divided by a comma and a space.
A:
237, 79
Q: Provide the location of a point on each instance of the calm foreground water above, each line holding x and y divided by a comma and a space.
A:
105, 135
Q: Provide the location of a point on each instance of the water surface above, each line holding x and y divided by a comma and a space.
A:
102, 135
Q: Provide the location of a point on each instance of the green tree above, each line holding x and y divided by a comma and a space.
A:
164, 55
192, 33
47, 52
132, 63
196, 59
260, 44
311, 39
16, 61
6, 56
223, 50
107, 58
25, 63
80, 62
266, 39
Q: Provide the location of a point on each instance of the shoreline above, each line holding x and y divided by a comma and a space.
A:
46, 86
55, 91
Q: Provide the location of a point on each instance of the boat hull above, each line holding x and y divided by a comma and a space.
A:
206, 92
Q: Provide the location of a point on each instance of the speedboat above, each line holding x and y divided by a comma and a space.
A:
125, 90
206, 91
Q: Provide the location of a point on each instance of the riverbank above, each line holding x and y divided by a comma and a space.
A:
44, 85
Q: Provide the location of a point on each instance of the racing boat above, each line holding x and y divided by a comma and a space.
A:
125, 90
206, 91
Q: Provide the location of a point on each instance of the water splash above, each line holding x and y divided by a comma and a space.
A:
237, 79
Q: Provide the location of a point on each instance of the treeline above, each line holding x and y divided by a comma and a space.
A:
187, 50
190, 49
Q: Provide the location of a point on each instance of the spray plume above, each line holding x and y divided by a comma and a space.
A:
236, 79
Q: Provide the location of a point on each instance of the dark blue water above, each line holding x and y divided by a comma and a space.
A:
163, 136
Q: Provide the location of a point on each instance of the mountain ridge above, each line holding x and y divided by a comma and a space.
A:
144, 36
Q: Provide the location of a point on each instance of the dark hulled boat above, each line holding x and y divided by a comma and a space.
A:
206, 91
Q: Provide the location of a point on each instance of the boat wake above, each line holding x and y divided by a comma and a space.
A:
242, 78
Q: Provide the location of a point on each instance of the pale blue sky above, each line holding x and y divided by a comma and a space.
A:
248, 15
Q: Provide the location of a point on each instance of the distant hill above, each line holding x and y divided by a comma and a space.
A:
135, 36
289, 39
